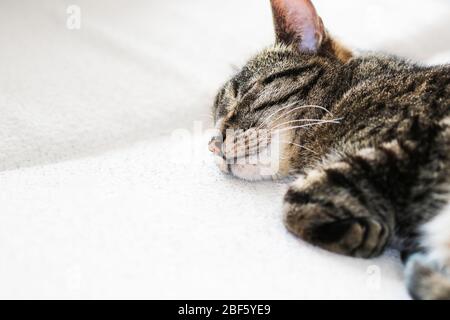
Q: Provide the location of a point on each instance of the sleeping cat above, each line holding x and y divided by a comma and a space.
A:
368, 138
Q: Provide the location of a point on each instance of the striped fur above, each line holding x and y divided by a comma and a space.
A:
379, 177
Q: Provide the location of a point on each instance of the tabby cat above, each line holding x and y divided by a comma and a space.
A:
368, 138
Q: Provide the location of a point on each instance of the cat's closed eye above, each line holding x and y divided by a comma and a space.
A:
370, 136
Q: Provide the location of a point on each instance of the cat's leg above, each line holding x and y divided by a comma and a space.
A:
428, 272
343, 205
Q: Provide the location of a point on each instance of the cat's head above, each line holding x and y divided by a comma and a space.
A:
259, 113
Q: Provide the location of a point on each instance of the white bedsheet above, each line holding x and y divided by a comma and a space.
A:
95, 201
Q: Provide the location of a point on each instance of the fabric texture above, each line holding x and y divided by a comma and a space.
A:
107, 187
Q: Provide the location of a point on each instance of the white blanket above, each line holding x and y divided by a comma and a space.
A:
99, 199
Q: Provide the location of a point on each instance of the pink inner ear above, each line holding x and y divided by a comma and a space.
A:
301, 20
304, 25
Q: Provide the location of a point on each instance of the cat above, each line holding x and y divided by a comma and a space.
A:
367, 138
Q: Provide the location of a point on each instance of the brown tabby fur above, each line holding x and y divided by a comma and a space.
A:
376, 177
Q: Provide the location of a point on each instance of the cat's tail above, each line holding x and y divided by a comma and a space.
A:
428, 274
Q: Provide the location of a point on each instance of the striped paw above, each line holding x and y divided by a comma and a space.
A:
358, 237
334, 228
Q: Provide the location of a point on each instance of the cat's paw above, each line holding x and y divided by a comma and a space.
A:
357, 237
329, 226
426, 278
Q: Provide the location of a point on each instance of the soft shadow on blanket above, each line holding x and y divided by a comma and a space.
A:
73, 94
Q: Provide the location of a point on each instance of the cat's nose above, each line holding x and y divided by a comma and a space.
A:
215, 146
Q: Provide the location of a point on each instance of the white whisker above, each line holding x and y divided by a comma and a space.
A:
306, 125
304, 120
301, 146
274, 113
304, 107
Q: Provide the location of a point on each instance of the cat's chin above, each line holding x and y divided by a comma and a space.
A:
249, 172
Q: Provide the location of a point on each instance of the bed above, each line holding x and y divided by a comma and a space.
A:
107, 187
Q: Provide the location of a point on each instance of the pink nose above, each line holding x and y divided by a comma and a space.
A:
215, 146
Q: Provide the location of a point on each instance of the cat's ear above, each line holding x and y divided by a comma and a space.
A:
297, 22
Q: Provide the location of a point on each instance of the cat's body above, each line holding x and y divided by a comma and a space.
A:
369, 137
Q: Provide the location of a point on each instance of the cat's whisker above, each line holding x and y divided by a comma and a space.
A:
300, 120
304, 107
250, 132
306, 125
293, 110
245, 145
275, 112
247, 148
246, 137
300, 146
